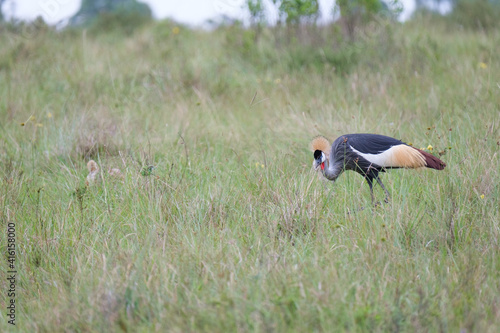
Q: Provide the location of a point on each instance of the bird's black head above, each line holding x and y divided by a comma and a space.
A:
317, 154
319, 160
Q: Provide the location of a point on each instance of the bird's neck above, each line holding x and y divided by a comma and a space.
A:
332, 170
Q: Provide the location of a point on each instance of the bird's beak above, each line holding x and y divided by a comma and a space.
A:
318, 165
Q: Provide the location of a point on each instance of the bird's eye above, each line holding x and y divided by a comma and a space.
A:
317, 154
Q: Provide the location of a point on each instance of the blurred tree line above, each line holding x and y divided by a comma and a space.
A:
475, 14
129, 14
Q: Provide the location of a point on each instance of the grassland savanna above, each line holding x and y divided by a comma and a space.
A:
219, 222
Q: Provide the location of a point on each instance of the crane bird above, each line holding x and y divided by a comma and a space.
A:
368, 154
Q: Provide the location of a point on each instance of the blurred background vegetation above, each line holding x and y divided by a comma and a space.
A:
354, 24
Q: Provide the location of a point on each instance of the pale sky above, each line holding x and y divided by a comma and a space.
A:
192, 12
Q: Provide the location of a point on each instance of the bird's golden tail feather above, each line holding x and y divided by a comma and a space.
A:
404, 156
320, 143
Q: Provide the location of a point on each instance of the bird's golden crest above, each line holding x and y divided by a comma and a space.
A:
320, 143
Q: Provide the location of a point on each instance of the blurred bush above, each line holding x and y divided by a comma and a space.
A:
299, 11
112, 15
476, 14
118, 21
358, 12
308, 47
298, 42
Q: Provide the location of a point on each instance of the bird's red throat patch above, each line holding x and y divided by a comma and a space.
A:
323, 166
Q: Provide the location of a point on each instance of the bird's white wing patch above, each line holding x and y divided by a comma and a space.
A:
380, 159
399, 156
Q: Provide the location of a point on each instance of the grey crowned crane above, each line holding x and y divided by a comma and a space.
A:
368, 155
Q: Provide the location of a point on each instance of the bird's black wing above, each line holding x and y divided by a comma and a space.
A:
371, 143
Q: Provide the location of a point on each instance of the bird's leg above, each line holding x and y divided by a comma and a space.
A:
373, 197
387, 195
369, 178
370, 183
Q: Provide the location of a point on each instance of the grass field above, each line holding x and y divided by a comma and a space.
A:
233, 231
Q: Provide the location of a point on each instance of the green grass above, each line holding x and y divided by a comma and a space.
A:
233, 231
